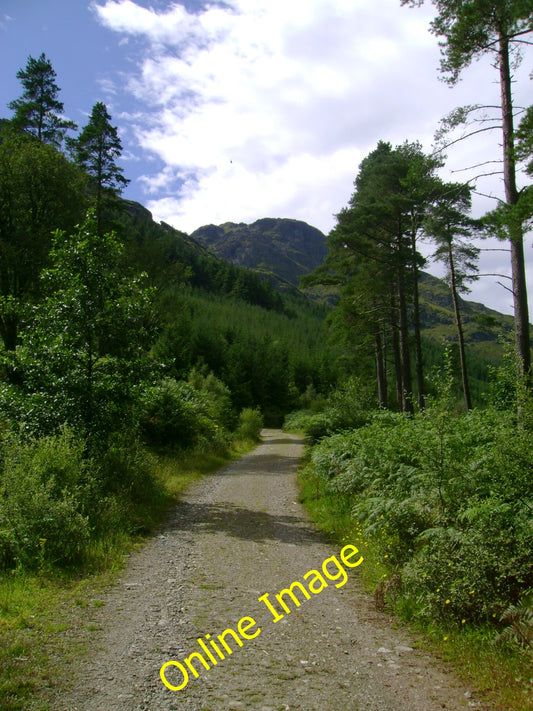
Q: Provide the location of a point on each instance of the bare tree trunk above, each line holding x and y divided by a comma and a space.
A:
460, 336
516, 237
416, 323
405, 356
396, 350
380, 368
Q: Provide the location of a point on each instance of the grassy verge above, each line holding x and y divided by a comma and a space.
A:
39, 611
503, 674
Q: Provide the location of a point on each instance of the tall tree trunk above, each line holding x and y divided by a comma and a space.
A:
459, 325
380, 368
405, 356
416, 323
396, 350
516, 236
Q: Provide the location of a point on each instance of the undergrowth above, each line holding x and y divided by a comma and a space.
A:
41, 608
502, 672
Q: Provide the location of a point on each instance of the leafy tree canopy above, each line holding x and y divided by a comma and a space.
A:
475, 27
40, 191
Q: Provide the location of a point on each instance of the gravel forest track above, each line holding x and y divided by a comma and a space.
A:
232, 538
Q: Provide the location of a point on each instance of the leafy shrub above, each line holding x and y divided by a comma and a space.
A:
446, 500
348, 407
519, 619
297, 420
185, 415
170, 414
217, 396
250, 425
42, 488
124, 469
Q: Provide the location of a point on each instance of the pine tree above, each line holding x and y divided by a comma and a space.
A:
38, 111
450, 226
96, 150
494, 27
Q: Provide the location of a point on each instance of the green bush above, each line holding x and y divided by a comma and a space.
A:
348, 407
124, 469
446, 500
170, 414
42, 489
250, 425
475, 569
186, 414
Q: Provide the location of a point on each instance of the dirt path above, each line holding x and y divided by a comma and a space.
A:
235, 537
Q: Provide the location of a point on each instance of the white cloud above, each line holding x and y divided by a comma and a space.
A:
266, 107
107, 86
265, 84
5, 19
232, 191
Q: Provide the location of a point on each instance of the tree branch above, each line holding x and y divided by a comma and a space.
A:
492, 197
502, 276
462, 138
506, 288
478, 165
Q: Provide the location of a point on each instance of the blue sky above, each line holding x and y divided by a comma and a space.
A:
244, 109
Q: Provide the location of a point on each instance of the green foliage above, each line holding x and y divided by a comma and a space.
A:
265, 358
38, 111
524, 136
374, 258
519, 620
40, 191
176, 414
216, 394
347, 407
170, 258
446, 500
57, 504
81, 355
250, 425
471, 29
42, 486
95, 150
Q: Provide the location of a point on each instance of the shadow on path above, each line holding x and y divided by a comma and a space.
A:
240, 522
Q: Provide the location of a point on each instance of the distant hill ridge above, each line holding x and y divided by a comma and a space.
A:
282, 248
